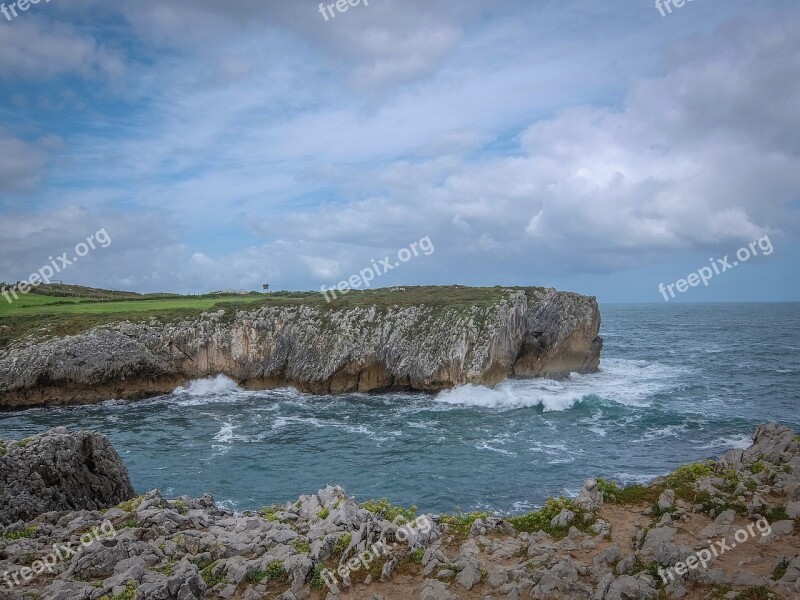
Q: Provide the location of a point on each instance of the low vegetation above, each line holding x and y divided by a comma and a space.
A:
540, 520
386, 510
22, 534
51, 311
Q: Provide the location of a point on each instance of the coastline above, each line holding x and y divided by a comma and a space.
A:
414, 339
609, 542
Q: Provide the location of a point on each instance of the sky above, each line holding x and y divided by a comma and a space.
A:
597, 147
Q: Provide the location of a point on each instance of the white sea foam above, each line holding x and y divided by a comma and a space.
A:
225, 434
660, 433
741, 440
628, 382
219, 385
629, 478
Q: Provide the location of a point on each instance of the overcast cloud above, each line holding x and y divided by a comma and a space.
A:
595, 146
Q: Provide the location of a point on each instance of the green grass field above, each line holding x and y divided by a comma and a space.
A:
58, 310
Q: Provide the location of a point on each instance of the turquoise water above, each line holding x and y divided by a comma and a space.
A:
678, 383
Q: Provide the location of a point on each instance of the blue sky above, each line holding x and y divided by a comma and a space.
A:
591, 146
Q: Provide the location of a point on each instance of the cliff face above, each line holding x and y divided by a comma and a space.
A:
318, 349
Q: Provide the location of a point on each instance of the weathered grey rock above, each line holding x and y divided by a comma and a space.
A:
563, 519
721, 526
770, 444
781, 528
630, 588
60, 471
562, 578
318, 348
666, 500
659, 545
590, 497
436, 590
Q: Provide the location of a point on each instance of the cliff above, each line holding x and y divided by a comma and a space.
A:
372, 341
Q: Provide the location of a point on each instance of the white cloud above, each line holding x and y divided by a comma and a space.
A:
34, 49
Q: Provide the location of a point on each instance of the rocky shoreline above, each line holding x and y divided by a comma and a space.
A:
86, 536
316, 348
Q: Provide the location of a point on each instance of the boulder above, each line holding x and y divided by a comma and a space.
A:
60, 471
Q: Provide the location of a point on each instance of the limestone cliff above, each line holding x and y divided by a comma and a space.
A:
318, 348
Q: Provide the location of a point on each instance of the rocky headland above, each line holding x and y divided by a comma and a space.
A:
728, 529
367, 341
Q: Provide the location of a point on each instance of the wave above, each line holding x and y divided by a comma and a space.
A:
621, 381
218, 385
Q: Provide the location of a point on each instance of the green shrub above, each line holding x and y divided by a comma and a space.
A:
129, 524
269, 513
22, 534
777, 513
301, 545
210, 578
342, 543
131, 505
317, 581
384, 509
757, 593
539, 520
684, 477
275, 571
634, 494
461, 523
780, 569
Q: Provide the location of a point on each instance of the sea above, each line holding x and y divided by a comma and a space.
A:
677, 383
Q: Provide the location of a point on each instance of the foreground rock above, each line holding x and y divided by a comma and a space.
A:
595, 548
57, 471
317, 348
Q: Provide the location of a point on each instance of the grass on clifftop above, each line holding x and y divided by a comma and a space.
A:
53, 311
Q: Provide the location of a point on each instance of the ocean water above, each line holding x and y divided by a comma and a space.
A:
678, 383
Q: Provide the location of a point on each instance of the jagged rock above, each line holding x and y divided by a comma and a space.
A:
659, 545
590, 497
770, 443
722, 525
436, 590
563, 519
666, 500
60, 471
780, 528
170, 549
630, 588
675, 590
562, 578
